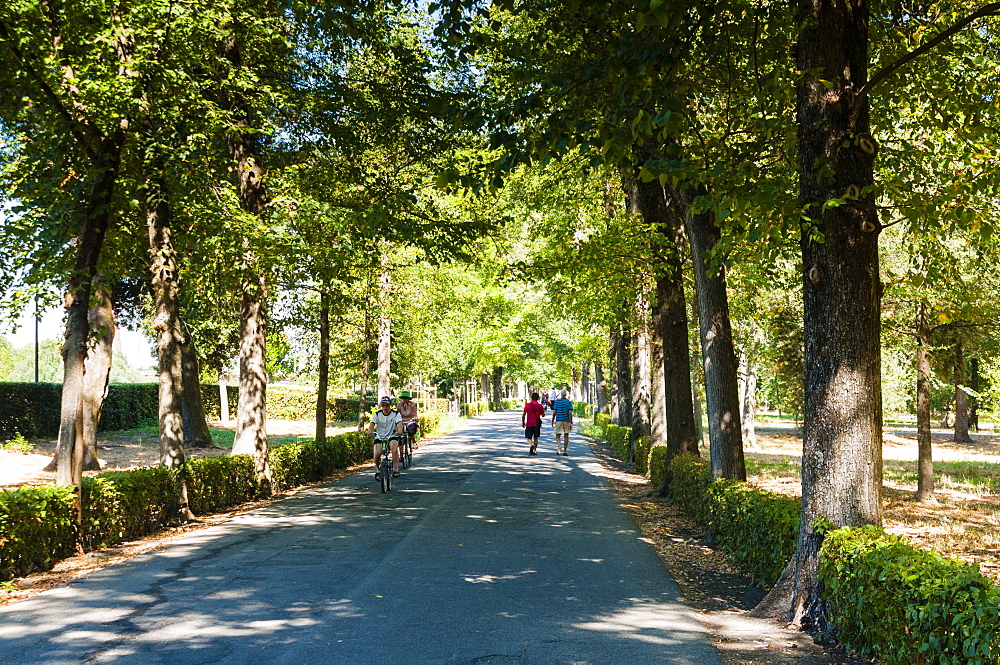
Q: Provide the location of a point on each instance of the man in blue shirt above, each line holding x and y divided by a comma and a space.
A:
562, 421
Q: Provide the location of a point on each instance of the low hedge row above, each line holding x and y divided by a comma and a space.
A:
37, 527
885, 597
757, 528
906, 605
473, 409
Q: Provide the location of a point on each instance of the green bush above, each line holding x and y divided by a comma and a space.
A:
657, 465
600, 425
583, 409
905, 605
430, 421
618, 438
690, 478
757, 528
217, 483
36, 529
642, 455
124, 505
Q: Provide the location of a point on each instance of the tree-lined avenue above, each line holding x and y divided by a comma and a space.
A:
479, 554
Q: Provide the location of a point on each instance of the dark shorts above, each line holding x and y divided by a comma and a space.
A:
533, 432
411, 428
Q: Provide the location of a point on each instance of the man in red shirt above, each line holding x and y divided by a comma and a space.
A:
531, 421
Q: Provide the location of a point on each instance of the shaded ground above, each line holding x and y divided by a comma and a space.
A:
710, 583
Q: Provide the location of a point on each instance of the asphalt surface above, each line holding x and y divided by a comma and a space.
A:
479, 554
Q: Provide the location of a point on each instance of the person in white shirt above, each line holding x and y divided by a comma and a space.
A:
387, 424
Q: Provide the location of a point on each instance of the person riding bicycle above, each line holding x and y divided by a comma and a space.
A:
408, 412
387, 425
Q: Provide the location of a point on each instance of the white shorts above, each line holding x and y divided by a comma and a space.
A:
563, 427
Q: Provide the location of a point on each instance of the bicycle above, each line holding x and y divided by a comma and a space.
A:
406, 449
385, 465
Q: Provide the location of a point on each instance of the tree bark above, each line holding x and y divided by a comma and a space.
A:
497, 387
223, 399
664, 210
961, 398
251, 412
196, 432
657, 387
384, 343
641, 376
585, 392
97, 373
749, 414
842, 424
974, 384
614, 404
164, 275
602, 388
90, 242
717, 351
324, 366
925, 463
623, 374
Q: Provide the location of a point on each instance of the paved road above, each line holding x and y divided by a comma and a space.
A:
480, 554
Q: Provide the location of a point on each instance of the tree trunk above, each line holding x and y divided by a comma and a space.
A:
657, 387
90, 242
585, 393
484, 386
641, 374
842, 423
196, 432
97, 372
223, 399
670, 319
925, 463
164, 275
717, 351
961, 398
614, 404
623, 373
749, 399
974, 384
384, 344
602, 388
251, 413
324, 366
497, 394
574, 386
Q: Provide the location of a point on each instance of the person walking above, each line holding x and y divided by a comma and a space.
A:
531, 421
562, 421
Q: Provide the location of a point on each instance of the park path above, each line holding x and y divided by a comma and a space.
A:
479, 554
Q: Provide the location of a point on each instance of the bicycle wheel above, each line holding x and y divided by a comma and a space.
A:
403, 442
384, 470
409, 450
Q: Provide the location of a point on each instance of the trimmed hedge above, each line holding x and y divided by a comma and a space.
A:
33, 408
757, 528
657, 465
37, 524
886, 598
906, 605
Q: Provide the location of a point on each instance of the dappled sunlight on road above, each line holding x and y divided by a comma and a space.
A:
648, 621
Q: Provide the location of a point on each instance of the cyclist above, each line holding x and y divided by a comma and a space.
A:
408, 412
386, 424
